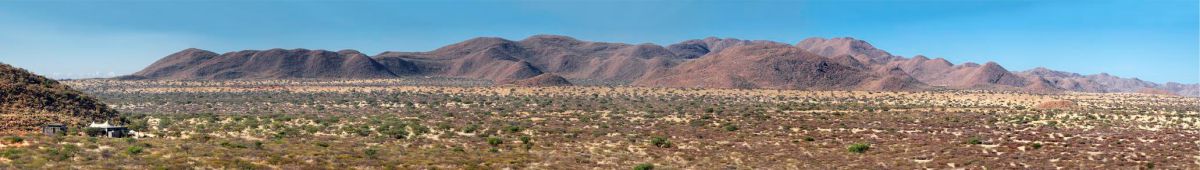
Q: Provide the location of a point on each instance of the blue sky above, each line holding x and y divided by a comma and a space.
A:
1153, 40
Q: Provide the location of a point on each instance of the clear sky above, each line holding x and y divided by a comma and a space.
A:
1153, 40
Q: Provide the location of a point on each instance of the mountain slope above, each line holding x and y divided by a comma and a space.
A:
30, 101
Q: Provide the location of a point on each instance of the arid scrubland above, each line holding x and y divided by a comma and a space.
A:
456, 124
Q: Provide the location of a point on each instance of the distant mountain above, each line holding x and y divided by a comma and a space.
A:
773, 66
941, 73
196, 64
1105, 83
31, 100
814, 63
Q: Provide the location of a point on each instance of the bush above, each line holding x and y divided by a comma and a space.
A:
974, 141
1036, 145
514, 129
134, 150
470, 129
526, 139
645, 166
12, 154
232, 145
858, 148
809, 139
730, 127
660, 142
494, 141
13, 139
59, 154
371, 153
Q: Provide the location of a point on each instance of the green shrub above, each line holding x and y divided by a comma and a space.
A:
494, 141
63, 153
470, 129
13, 139
525, 139
134, 150
730, 127
232, 145
12, 154
859, 148
660, 142
1036, 145
645, 166
513, 129
371, 153
809, 139
974, 141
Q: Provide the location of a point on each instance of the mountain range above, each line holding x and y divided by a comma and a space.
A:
811, 64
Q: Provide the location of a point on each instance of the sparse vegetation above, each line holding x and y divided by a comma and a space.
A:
380, 124
13, 139
974, 141
645, 166
660, 142
494, 141
858, 148
134, 150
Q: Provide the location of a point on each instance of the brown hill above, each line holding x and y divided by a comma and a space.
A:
1182, 89
610, 62
1105, 83
542, 81
895, 79
30, 101
859, 49
989, 73
488, 58
492, 58
691, 49
771, 66
923, 68
194, 64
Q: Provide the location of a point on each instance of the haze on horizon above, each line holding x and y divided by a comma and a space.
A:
1156, 41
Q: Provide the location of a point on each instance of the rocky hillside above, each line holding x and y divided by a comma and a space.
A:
31, 100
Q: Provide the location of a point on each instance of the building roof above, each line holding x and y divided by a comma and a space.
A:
103, 125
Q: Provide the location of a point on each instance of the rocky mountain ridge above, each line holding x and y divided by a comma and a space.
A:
814, 63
